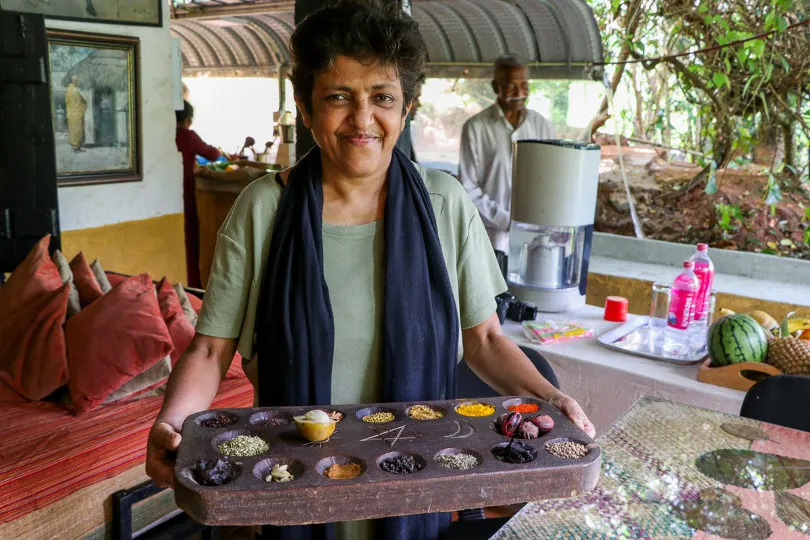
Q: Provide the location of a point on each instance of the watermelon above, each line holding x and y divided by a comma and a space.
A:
737, 338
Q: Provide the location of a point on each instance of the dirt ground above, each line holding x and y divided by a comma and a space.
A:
667, 212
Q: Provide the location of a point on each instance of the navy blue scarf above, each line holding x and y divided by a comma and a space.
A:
296, 331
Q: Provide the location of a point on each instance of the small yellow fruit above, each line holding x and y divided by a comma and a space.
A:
765, 320
314, 432
798, 323
724, 312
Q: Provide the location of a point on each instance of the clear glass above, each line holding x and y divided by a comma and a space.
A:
659, 304
712, 305
545, 257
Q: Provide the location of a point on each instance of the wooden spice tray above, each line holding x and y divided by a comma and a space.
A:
313, 498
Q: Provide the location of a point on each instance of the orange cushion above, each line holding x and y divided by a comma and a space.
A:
33, 304
114, 339
179, 326
85, 281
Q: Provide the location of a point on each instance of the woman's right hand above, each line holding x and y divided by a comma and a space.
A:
160, 453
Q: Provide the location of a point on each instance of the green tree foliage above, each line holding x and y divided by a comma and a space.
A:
736, 93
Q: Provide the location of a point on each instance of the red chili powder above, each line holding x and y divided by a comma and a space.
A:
525, 408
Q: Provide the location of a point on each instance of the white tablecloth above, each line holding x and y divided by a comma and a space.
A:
606, 382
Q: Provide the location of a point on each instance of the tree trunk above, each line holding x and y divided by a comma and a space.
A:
633, 19
766, 146
790, 145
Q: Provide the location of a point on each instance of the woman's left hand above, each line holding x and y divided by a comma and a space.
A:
572, 410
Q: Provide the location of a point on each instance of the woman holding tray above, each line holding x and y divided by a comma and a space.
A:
354, 276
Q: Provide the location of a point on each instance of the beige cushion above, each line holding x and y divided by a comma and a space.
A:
74, 306
101, 277
156, 374
185, 304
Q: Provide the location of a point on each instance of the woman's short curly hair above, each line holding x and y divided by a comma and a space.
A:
367, 31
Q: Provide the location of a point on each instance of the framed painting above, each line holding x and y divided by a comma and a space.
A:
137, 12
95, 104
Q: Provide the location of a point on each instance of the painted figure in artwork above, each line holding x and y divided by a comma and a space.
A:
76, 105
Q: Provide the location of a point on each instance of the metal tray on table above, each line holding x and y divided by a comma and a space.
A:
638, 338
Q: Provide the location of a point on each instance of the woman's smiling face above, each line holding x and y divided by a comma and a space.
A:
356, 117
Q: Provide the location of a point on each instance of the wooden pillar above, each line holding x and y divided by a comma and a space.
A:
303, 140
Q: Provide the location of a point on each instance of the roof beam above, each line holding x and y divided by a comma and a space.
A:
192, 11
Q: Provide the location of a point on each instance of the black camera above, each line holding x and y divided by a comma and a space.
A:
509, 307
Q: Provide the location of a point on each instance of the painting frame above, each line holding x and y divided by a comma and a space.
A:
56, 11
119, 136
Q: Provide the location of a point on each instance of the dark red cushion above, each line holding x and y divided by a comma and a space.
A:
85, 281
33, 306
180, 328
114, 278
115, 338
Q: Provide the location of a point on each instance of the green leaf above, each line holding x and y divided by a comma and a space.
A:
770, 21
806, 239
774, 194
719, 79
807, 213
711, 184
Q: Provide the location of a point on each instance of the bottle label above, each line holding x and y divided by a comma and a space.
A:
680, 309
705, 278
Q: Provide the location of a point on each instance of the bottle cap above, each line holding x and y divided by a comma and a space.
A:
616, 309
703, 247
688, 264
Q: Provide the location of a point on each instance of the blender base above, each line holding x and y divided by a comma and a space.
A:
549, 300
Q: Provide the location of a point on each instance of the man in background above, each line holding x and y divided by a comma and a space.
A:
190, 145
485, 167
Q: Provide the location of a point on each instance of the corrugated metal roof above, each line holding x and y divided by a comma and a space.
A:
559, 39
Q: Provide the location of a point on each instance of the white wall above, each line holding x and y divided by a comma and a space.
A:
160, 192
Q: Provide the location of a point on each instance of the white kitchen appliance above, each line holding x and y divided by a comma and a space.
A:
554, 186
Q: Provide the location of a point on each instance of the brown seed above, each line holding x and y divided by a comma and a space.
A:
567, 449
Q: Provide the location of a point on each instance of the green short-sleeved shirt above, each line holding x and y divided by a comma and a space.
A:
353, 269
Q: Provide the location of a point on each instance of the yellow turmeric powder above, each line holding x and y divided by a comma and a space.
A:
475, 409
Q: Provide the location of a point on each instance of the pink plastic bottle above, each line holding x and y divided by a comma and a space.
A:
682, 298
704, 270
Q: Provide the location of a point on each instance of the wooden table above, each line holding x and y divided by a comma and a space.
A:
607, 382
216, 192
662, 477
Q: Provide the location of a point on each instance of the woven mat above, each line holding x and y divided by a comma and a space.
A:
648, 470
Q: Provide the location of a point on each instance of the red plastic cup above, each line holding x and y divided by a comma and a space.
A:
616, 309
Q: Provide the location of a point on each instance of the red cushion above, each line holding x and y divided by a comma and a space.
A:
33, 304
114, 339
114, 278
85, 281
8, 395
179, 326
195, 301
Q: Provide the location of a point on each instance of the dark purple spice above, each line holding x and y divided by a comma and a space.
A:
210, 472
216, 422
273, 421
400, 465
